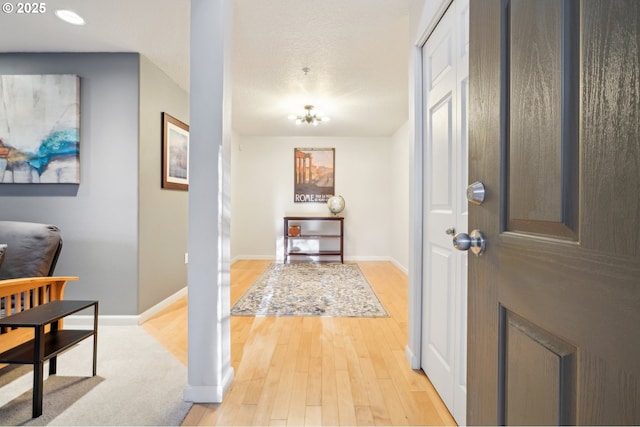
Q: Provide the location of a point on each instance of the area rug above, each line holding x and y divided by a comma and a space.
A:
138, 383
310, 289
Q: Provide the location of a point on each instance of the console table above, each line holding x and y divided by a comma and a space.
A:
47, 345
310, 234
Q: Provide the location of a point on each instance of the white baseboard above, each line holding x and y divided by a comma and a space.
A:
148, 314
399, 266
208, 394
366, 258
86, 321
411, 358
381, 258
256, 257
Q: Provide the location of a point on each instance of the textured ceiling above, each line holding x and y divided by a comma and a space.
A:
356, 50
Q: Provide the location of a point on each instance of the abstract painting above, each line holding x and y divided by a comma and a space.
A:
313, 174
40, 129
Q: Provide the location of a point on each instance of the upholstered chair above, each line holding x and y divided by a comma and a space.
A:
32, 249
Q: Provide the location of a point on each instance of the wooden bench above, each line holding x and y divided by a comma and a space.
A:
17, 295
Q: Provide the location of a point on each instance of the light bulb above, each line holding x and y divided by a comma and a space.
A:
70, 16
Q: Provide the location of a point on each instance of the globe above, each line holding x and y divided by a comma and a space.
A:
335, 204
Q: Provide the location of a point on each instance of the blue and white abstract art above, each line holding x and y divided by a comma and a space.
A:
40, 129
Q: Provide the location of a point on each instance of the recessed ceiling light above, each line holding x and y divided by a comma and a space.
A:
70, 17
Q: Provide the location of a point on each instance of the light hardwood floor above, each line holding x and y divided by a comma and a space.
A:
312, 370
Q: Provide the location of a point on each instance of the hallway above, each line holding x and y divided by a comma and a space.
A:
312, 370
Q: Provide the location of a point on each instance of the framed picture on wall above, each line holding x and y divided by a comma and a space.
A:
175, 153
40, 129
314, 172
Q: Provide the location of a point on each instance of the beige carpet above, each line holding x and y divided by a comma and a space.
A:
310, 289
138, 383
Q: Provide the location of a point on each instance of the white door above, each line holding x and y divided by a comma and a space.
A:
444, 276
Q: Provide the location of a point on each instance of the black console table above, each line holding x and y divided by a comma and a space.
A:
47, 345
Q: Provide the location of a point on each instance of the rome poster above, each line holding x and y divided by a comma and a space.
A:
313, 174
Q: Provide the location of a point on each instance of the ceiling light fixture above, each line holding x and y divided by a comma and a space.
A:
309, 117
70, 17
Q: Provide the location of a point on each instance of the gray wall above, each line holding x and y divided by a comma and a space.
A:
100, 218
163, 213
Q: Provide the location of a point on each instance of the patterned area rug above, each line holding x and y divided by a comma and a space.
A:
310, 289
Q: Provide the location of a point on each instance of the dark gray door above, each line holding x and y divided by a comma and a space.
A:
554, 134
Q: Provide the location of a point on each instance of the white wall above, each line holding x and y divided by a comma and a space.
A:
399, 227
262, 193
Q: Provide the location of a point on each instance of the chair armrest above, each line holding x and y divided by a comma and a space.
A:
21, 294
40, 285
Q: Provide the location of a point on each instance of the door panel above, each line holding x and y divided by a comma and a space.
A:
535, 100
440, 154
547, 366
553, 302
542, 192
439, 62
440, 300
541, 132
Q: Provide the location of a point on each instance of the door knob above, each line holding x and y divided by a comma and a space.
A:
463, 241
475, 193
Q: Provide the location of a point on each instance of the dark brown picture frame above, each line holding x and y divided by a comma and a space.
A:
175, 153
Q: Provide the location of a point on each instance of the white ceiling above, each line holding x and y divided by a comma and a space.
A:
357, 52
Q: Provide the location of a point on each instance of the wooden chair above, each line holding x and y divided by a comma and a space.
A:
31, 255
